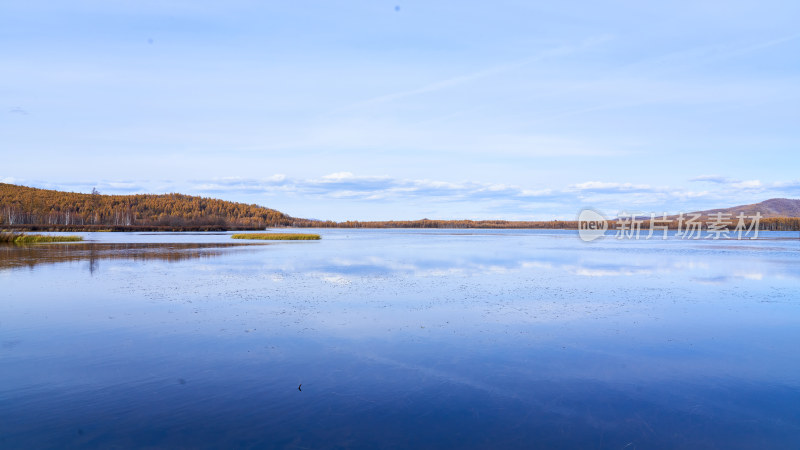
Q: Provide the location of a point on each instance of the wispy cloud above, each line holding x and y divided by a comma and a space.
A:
459, 199
346, 185
613, 187
748, 184
732, 182
712, 179
789, 187
480, 74
761, 45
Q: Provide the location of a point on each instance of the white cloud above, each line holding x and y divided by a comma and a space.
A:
611, 187
339, 176
453, 199
748, 184
738, 184
712, 179
690, 194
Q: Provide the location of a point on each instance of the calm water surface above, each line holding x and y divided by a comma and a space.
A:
423, 339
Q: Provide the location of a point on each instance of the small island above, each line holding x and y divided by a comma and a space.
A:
277, 236
22, 238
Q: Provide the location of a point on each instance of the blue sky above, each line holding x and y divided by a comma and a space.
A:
400, 110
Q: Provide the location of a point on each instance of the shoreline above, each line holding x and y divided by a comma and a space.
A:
566, 226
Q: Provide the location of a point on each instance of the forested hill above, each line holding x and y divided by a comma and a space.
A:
40, 209
774, 207
20, 205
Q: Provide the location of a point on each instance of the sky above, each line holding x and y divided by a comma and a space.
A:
371, 110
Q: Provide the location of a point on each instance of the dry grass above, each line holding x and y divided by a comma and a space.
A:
22, 238
277, 236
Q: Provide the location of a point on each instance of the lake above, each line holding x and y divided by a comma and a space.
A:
400, 338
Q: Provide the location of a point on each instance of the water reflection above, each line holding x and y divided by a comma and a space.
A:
30, 256
419, 340
339, 270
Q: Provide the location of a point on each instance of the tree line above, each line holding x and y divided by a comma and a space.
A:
42, 209
33, 208
21, 205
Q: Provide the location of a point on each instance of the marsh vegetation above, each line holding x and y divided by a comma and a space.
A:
22, 238
277, 236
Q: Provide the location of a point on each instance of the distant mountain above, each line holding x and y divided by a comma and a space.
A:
774, 207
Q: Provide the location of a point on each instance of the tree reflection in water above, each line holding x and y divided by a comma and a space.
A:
30, 256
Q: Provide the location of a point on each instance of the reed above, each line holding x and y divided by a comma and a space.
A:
22, 238
277, 236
